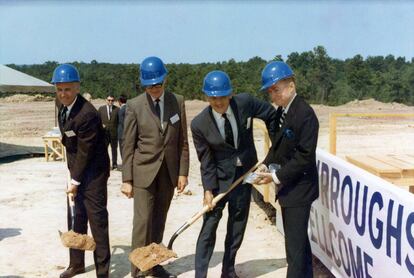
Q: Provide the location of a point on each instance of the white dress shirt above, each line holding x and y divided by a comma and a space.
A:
109, 110
286, 109
220, 124
70, 108
74, 182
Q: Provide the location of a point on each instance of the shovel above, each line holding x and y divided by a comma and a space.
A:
149, 256
74, 240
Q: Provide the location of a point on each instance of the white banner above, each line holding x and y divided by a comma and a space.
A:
361, 225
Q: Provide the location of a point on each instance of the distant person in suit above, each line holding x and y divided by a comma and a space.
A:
293, 149
155, 157
109, 116
88, 163
223, 138
121, 117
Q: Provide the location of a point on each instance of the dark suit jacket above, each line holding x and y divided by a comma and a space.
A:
218, 159
147, 145
111, 124
121, 118
293, 148
83, 137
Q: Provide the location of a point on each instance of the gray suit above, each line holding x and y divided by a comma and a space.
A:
219, 170
153, 158
121, 119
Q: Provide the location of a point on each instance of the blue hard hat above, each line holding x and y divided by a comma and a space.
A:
65, 73
274, 72
217, 84
152, 71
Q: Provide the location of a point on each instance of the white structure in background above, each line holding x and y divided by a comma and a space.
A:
13, 81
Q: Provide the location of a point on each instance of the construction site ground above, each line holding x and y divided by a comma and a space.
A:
33, 201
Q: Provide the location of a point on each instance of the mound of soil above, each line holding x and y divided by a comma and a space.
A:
78, 241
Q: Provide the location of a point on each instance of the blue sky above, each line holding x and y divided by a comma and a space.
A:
200, 31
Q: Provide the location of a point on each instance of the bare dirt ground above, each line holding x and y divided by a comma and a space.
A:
33, 207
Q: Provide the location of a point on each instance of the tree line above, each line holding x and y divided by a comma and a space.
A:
320, 78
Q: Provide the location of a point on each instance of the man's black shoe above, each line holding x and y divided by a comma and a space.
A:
143, 274
72, 271
229, 275
160, 272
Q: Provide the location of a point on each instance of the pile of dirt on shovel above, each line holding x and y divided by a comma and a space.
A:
149, 256
78, 241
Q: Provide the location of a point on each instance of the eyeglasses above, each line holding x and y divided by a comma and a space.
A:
110, 100
155, 86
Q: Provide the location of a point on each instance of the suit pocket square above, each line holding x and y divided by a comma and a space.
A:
288, 133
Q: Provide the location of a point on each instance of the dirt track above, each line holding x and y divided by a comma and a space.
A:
32, 200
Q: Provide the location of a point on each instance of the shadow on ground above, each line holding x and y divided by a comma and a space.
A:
9, 232
253, 268
120, 265
11, 152
256, 268
186, 263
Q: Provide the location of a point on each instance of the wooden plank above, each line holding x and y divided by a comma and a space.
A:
374, 166
405, 158
406, 167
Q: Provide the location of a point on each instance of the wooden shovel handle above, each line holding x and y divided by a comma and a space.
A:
221, 195
71, 199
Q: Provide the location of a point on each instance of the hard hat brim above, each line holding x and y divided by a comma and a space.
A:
268, 85
273, 81
218, 93
65, 81
153, 81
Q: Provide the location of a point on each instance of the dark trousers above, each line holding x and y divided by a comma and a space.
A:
151, 206
297, 245
238, 201
90, 205
113, 141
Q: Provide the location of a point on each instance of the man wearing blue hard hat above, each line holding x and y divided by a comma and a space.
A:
223, 138
155, 157
88, 164
293, 148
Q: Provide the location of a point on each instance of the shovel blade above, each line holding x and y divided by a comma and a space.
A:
151, 255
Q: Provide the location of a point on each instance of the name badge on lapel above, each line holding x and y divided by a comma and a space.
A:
70, 133
174, 119
249, 122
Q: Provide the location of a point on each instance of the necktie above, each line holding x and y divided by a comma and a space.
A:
109, 112
63, 115
157, 108
228, 131
282, 118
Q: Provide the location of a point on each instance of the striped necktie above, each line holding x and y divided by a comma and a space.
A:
282, 118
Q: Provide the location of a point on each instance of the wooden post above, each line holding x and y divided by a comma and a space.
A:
332, 133
46, 150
